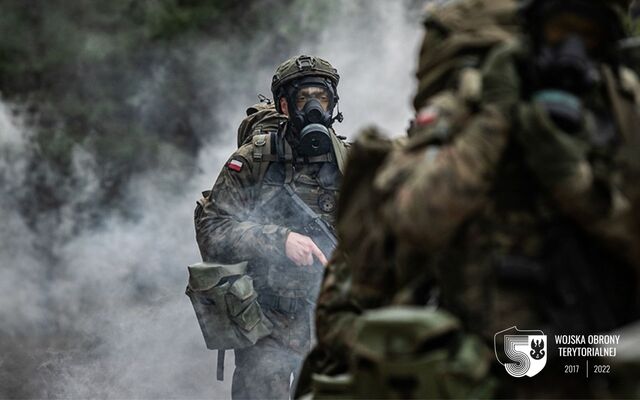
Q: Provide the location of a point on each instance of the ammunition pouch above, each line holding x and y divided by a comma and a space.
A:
226, 305
411, 352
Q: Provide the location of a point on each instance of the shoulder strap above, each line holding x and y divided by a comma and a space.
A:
340, 150
220, 365
261, 155
266, 151
625, 108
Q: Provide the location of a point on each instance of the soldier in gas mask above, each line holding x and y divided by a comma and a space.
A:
530, 210
518, 189
274, 205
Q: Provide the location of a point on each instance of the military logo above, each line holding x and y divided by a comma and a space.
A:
522, 353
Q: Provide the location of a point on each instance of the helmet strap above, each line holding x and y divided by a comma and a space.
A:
339, 117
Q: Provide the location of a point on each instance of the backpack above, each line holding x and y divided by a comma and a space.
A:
261, 118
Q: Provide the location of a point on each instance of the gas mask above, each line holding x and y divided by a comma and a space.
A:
571, 45
567, 66
311, 102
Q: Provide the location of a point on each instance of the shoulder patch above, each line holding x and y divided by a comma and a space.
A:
235, 165
427, 116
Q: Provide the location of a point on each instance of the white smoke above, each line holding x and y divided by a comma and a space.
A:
19, 270
374, 46
120, 290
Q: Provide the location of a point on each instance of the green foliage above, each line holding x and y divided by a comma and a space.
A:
87, 70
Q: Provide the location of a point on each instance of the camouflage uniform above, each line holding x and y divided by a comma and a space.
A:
373, 269
527, 225
504, 210
245, 219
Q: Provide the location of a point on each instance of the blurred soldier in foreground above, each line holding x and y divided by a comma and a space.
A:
515, 202
273, 205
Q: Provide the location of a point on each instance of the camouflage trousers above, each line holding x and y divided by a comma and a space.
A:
263, 371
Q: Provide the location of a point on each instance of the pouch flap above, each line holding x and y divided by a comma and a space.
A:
204, 276
242, 288
250, 317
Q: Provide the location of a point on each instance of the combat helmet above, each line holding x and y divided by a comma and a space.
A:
532, 11
302, 66
309, 86
620, 4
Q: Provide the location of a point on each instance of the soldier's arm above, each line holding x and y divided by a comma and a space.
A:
606, 203
337, 310
225, 232
439, 187
435, 188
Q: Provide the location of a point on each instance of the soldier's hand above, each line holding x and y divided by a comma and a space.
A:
301, 249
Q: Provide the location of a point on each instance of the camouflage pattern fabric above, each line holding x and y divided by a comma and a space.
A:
459, 35
373, 269
512, 209
225, 232
243, 219
264, 370
488, 209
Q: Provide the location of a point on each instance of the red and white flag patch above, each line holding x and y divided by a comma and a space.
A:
427, 116
235, 165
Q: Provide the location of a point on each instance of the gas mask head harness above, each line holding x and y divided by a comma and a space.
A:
309, 86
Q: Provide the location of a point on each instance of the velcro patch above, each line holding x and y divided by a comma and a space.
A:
235, 165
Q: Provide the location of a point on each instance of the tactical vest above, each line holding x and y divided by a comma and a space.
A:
281, 176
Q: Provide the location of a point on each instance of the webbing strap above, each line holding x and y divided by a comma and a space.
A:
220, 365
627, 118
288, 156
340, 150
260, 158
316, 159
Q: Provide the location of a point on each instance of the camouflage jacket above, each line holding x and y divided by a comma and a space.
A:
374, 269
511, 209
472, 197
246, 217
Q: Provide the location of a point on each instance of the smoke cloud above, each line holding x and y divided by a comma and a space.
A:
96, 307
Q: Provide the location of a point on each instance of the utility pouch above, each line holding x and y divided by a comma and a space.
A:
403, 352
226, 305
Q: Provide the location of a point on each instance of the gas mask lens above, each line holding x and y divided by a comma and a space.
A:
312, 92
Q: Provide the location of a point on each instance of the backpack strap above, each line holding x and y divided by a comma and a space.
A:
317, 159
624, 96
267, 149
262, 155
288, 160
340, 151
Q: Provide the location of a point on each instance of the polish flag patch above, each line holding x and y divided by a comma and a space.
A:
427, 116
235, 165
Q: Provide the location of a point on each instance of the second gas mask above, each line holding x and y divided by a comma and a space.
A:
311, 103
567, 66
